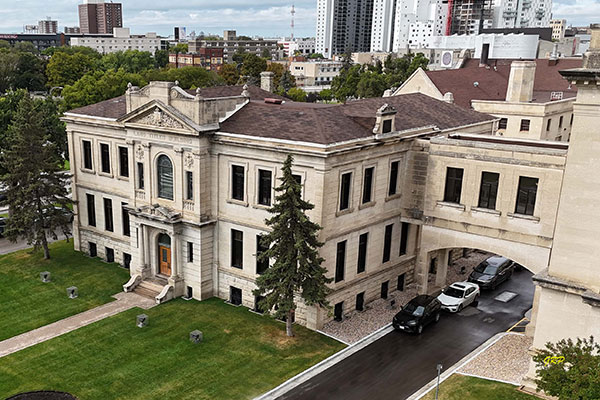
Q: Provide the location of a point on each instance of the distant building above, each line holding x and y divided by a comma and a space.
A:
305, 46
31, 29
41, 42
98, 17
470, 17
48, 26
179, 33
120, 40
558, 28
382, 28
522, 14
72, 30
232, 44
543, 33
314, 76
416, 20
210, 59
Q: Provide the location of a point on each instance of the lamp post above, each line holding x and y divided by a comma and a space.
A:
437, 388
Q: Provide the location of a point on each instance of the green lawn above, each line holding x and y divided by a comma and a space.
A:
26, 303
460, 387
243, 355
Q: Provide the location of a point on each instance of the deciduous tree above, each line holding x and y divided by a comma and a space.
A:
230, 74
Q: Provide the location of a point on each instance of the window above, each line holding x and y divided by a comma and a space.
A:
387, 126
571, 123
165, 177
257, 300
360, 301
526, 195
338, 311
126, 260
237, 249
404, 237
264, 187
105, 157
140, 169
560, 121
189, 185
110, 254
548, 125
93, 249
125, 215
87, 154
362, 252
91, 209
394, 166
454, 177
340, 261
124, 162
387, 242
261, 266
345, 191
108, 216
401, 280
525, 125
235, 295
368, 185
190, 252
503, 123
237, 182
384, 289
488, 190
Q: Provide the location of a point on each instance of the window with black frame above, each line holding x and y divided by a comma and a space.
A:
454, 178
264, 187
237, 249
488, 191
165, 177
105, 157
362, 252
340, 262
124, 162
526, 195
237, 182
345, 191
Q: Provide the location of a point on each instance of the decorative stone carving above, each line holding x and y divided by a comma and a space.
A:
139, 153
179, 93
245, 92
189, 160
159, 118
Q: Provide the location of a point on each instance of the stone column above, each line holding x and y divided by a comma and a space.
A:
179, 178
175, 279
148, 176
442, 268
421, 272
146, 245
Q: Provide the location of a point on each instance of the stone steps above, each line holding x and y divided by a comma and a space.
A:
153, 286
149, 293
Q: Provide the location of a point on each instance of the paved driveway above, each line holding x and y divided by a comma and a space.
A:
397, 365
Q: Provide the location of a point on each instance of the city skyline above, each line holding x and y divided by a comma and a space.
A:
269, 18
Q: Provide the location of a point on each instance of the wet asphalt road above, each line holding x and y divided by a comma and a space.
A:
399, 364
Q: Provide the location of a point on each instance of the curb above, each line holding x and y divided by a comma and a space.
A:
446, 374
316, 369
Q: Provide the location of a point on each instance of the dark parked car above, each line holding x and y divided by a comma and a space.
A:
492, 272
417, 313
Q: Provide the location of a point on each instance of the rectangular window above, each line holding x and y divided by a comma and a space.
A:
237, 182
108, 215
384, 289
404, 238
526, 195
401, 279
548, 125
454, 177
105, 157
126, 225
264, 187
360, 301
503, 123
368, 185
124, 162
340, 261
87, 154
189, 185
525, 125
93, 249
345, 191
261, 266
362, 252
560, 121
387, 242
237, 249
235, 296
190, 251
387, 126
488, 190
140, 169
126, 260
571, 123
394, 166
110, 254
91, 209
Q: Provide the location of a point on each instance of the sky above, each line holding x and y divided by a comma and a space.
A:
269, 18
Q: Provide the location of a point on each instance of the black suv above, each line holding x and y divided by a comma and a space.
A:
417, 313
492, 272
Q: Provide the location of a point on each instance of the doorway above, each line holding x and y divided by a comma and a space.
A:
164, 254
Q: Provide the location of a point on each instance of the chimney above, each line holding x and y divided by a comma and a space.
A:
520, 82
449, 97
553, 60
591, 58
266, 81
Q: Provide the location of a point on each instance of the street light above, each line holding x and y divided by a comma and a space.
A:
437, 388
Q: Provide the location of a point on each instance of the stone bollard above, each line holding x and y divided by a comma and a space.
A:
45, 276
195, 336
142, 320
72, 292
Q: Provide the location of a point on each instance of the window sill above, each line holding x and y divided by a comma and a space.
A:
393, 197
87, 171
238, 202
523, 216
367, 205
261, 207
344, 212
105, 174
123, 178
457, 206
486, 211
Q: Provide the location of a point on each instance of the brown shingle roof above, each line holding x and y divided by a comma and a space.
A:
492, 85
326, 124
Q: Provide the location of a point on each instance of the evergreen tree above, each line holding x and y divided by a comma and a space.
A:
294, 246
36, 188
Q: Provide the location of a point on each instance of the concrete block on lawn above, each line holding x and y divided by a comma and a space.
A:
141, 320
72, 292
45, 276
196, 336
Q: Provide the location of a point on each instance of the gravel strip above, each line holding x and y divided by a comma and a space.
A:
506, 360
469, 262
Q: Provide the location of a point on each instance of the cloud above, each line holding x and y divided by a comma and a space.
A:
577, 12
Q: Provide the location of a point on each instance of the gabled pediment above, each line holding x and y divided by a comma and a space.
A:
158, 116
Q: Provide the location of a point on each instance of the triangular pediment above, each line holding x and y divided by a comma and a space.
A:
158, 116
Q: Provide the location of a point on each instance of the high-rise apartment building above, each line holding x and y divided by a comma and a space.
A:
48, 26
558, 28
98, 17
522, 14
343, 25
415, 20
470, 17
382, 30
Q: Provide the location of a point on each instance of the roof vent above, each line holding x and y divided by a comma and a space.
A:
270, 100
476, 84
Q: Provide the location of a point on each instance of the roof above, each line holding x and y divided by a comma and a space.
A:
116, 108
422, 300
496, 260
493, 84
334, 123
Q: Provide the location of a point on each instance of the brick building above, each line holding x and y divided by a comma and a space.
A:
98, 17
209, 58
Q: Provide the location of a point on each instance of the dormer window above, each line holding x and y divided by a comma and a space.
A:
384, 119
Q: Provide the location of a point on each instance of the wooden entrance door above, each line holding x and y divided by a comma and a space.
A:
165, 260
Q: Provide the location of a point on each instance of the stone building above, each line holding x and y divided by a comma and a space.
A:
176, 186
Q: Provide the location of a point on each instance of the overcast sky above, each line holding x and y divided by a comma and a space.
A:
249, 17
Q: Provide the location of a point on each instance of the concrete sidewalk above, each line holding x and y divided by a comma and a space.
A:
125, 301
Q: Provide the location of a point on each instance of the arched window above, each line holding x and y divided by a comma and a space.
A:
165, 177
